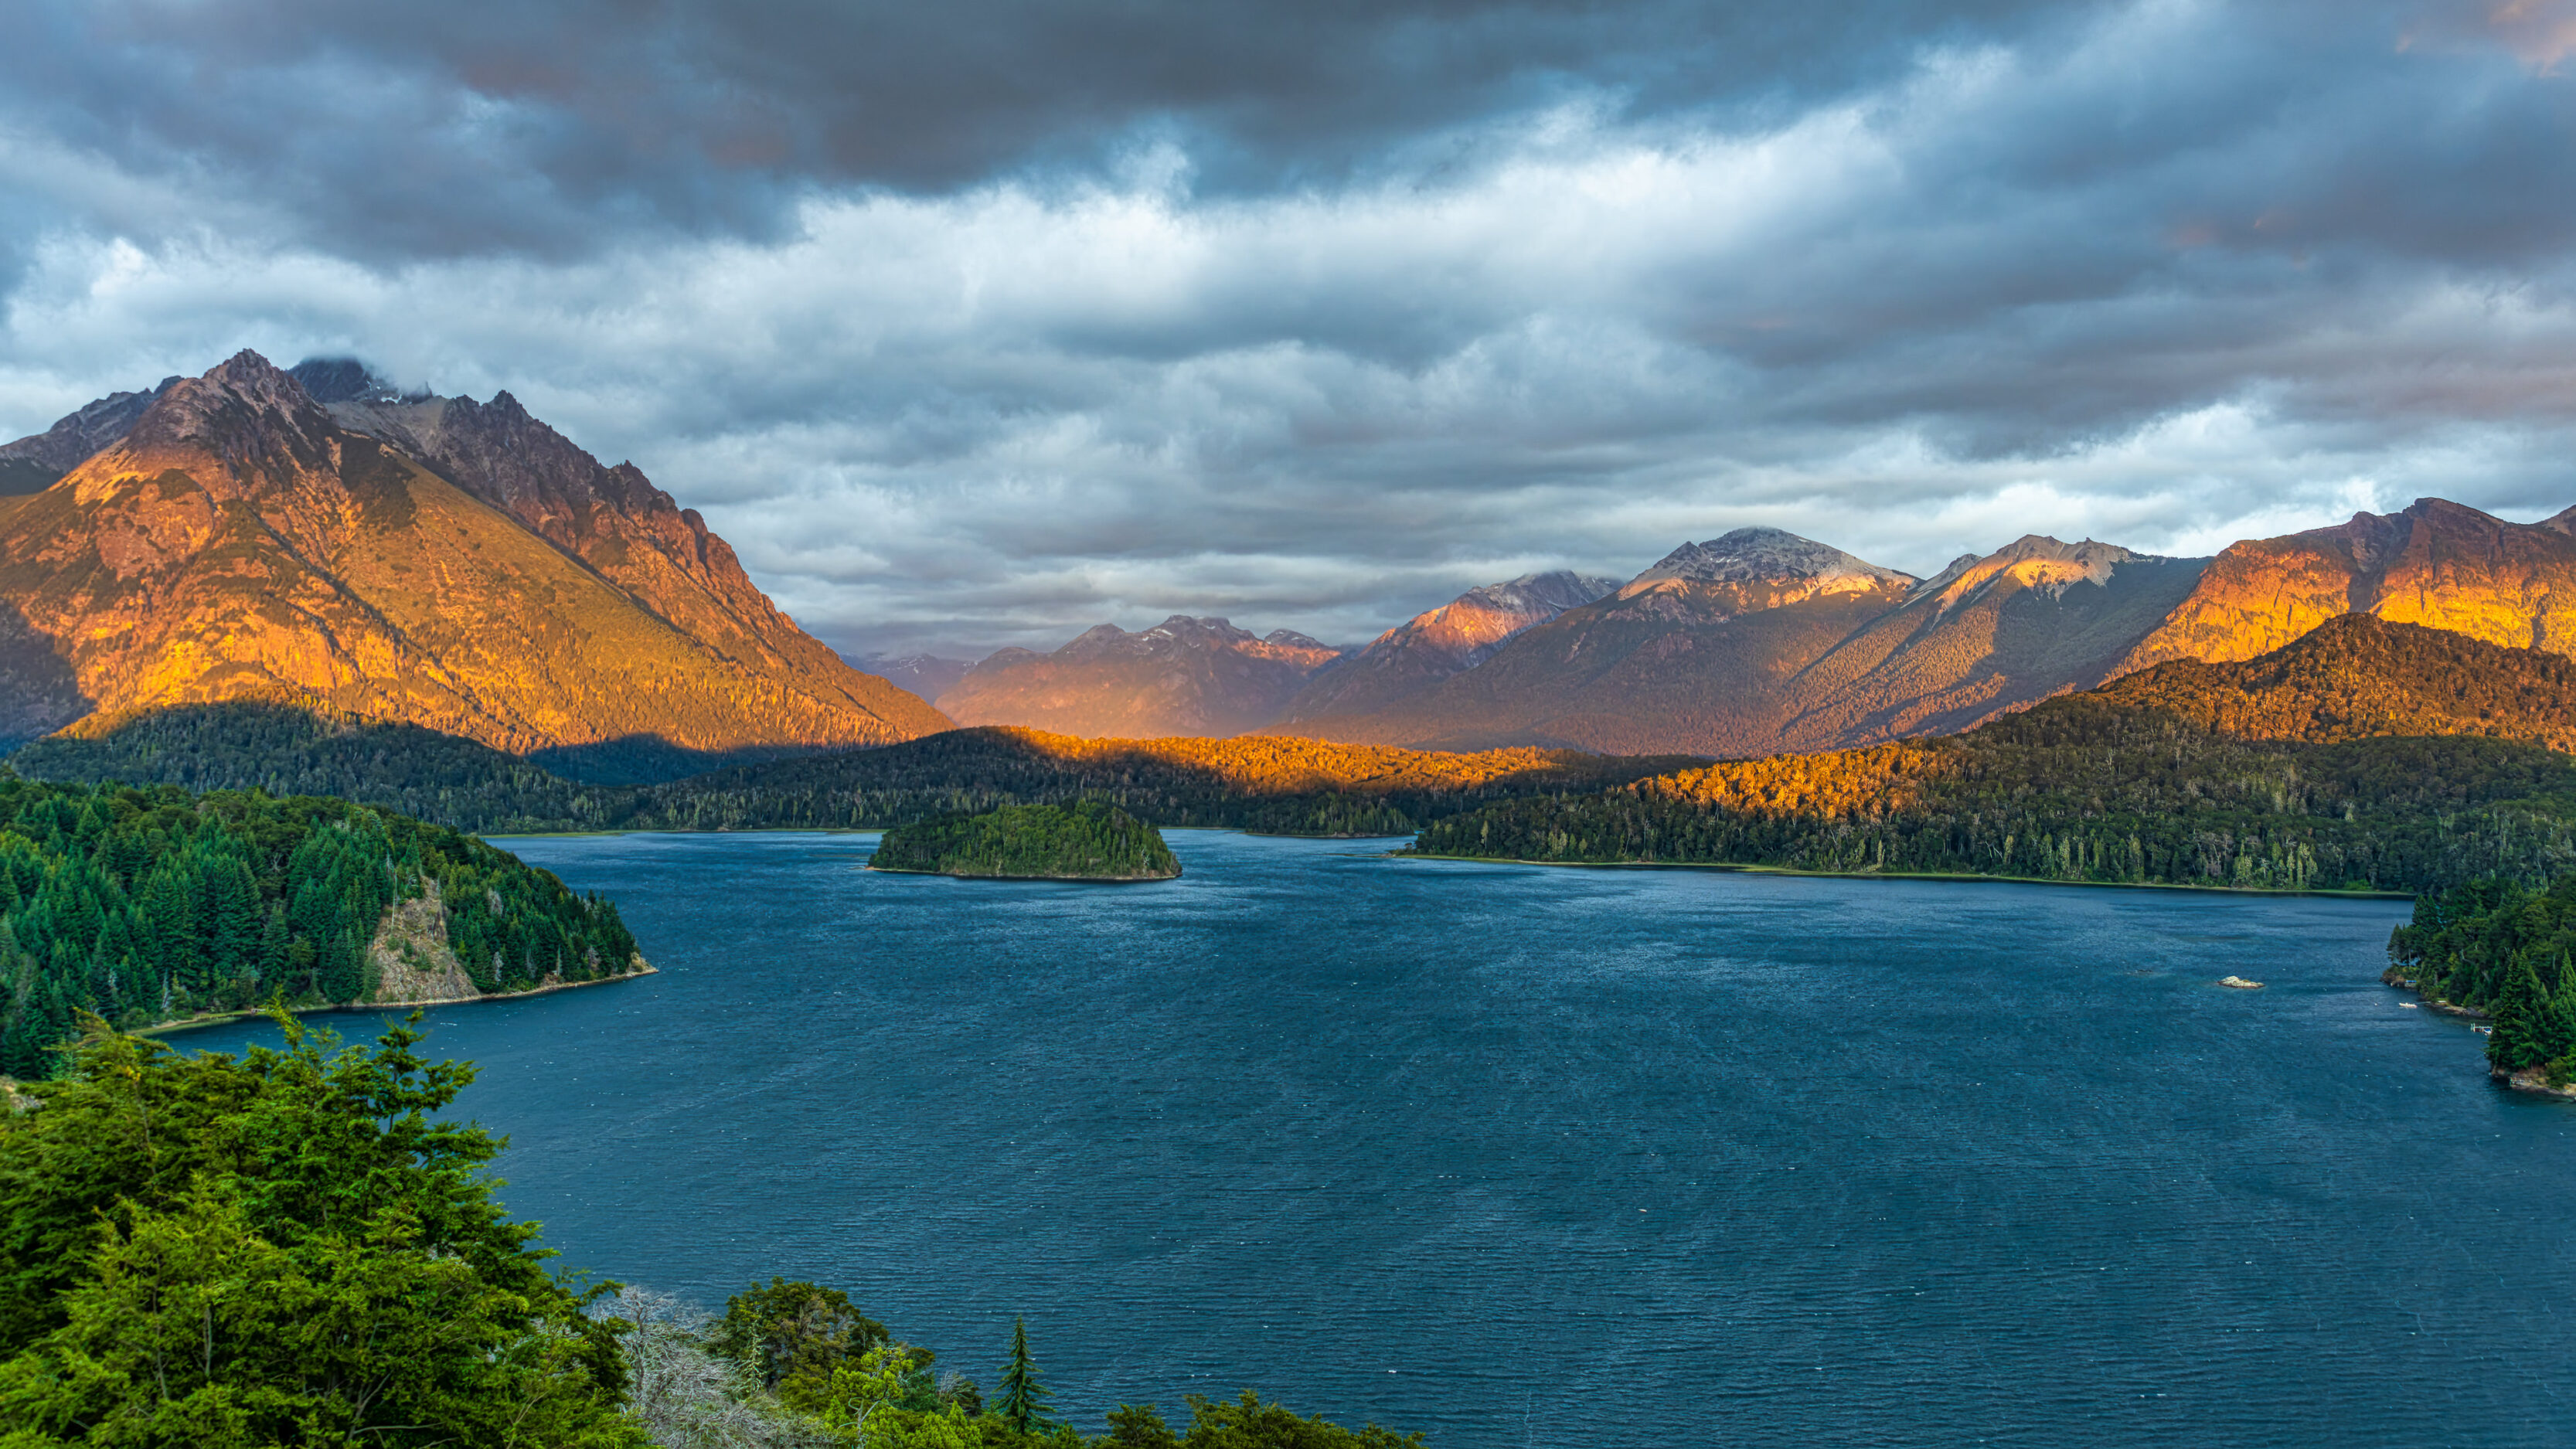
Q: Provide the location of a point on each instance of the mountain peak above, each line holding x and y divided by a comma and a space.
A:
346, 379
2034, 560
1769, 556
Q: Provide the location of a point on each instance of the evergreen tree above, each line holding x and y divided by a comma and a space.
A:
296, 1252
1023, 1402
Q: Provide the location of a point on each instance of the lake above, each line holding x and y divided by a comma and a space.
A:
1544, 1157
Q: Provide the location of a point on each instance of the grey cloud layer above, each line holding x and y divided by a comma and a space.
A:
1315, 316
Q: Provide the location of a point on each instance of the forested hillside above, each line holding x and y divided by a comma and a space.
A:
1082, 841
1286, 786
2081, 789
2357, 676
147, 905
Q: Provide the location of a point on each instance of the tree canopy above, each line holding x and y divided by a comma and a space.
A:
145, 905
284, 1247
1081, 841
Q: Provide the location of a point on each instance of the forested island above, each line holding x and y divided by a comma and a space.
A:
297, 1247
154, 905
1085, 840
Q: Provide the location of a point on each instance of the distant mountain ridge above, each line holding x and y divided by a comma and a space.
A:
1689, 657
1761, 643
1184, 676
33, 463
238, 539
1431, 646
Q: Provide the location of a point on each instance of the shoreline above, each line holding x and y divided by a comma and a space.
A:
1065, 879
1921, 875
228, 1018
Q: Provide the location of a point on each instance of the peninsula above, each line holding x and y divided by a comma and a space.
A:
1084, 840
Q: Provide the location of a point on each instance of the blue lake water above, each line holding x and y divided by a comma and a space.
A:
1520, 1156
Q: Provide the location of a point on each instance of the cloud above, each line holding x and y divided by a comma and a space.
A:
1271, 344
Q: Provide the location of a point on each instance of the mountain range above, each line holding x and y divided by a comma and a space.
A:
312, 538
315, 538
1760, 642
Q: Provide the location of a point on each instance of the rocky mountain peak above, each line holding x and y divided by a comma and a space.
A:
247, 412
346, 379
1769, 556
1548, 594
2034, 560
1746, 572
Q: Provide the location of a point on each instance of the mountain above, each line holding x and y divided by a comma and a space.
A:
926, 675
2366, 755
242, 541
1184, 676
1694, 656
612, 519
2360, 676
31, 464
1430, 647
1986, 635
2435, 563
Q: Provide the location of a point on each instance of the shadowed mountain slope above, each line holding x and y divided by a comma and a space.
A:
2435, 563
239, 542
1184, 676
1983, 637
1430, 647
31, 464
1693, 656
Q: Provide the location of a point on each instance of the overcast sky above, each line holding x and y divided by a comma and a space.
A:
978, 324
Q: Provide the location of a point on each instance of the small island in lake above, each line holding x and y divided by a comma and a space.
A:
1081, 841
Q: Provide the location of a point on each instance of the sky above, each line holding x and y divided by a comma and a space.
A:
979, 324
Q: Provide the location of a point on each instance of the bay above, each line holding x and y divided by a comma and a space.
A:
1519, 1156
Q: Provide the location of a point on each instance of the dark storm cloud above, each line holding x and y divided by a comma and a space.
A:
979, 327
393, 131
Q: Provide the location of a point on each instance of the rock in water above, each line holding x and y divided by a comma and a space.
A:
2240, 983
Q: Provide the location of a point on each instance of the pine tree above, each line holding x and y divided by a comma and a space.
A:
1023, 1397
2515, 1044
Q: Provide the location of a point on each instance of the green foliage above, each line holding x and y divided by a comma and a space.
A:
789, 1331
1023, 1402
280, 1248
148, 905
2499, 947
2081, 790
1084, 840
1249, 1423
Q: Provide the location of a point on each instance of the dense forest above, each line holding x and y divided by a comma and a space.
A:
1275, 785
146, 905
2082, 788
1085, 840
297, 1247
2507, 950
